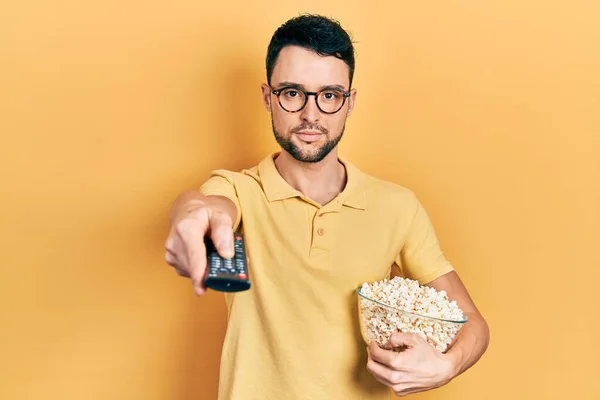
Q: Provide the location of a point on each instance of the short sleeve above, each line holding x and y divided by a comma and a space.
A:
222, 183
421, 257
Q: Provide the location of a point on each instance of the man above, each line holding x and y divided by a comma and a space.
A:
316, 228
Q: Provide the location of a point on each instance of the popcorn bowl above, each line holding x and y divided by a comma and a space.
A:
378, 322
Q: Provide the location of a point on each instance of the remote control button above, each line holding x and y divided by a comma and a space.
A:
242, 276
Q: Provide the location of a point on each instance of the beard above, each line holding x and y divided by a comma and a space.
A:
306, 156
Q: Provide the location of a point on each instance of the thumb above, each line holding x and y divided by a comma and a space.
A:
222, 234
401, 341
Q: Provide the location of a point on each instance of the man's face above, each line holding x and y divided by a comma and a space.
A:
308, 135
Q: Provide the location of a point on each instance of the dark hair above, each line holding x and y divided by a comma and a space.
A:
324, 36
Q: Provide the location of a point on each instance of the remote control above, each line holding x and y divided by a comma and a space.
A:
227, 274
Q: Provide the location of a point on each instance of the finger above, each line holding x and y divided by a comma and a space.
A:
388, 358
406, 389
174, 261
177, 258
379, 372
176, 247
171, 259
221, 233
384, 374
191, 231
402, 340
196, 253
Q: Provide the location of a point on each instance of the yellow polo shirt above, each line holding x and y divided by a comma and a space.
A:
295, 335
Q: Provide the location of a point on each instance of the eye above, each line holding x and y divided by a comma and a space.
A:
291, 93
331, 95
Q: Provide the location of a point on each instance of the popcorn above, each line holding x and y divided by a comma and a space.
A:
378, 323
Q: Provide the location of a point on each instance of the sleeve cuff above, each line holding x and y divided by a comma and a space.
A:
425, 279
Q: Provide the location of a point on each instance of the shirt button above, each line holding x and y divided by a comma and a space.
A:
320, 231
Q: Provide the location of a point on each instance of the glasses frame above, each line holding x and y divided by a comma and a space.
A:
277, 92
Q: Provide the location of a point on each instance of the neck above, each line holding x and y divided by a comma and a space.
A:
321, 181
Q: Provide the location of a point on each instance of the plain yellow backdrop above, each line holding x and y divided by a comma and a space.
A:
488, 110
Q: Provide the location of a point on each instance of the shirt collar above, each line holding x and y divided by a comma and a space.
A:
276, 188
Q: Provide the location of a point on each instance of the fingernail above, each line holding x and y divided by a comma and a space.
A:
225, 249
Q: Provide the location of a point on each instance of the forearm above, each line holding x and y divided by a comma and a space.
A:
188, 201
470, 344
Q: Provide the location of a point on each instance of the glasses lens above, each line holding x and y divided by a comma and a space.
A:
330, 101
291, 99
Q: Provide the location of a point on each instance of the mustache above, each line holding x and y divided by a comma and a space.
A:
311, 127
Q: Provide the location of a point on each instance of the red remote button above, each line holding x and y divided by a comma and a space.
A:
242, 276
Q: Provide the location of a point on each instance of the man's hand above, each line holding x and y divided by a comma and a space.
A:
417, 368
191, 221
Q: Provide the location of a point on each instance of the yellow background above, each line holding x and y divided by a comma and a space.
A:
489, 110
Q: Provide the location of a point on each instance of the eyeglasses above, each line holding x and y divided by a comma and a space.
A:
293, 99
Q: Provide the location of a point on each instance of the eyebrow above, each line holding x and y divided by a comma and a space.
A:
297, 85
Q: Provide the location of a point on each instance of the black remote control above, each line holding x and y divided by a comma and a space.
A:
227, 274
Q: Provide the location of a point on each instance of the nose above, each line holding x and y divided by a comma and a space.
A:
310, 112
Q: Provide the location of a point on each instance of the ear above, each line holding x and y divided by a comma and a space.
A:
266, 96
351, 102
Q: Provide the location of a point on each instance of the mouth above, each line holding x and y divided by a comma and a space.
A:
309, 136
